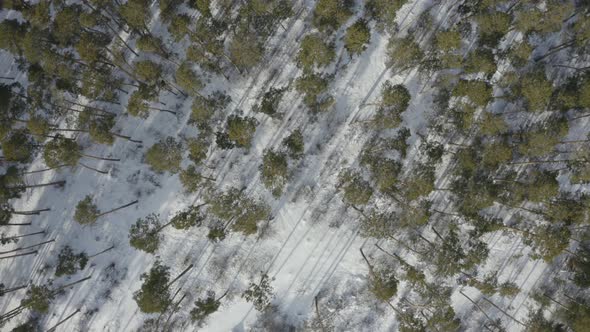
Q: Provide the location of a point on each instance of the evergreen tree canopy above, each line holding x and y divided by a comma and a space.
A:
154, 294
165, 155
144, 234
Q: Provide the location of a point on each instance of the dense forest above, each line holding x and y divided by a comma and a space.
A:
295, 165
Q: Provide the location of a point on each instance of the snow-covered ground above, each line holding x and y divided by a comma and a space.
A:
311, 246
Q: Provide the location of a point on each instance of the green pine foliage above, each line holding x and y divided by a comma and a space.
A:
331, 14
144, 234
154, 294
86, 211
315, 52
69, 262
38, 298
294, 144
356, 191
190, 217
274, 171
259, 294
357, 37
204, 307
165, 155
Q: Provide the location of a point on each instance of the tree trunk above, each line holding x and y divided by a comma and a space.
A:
32, 212
63, 321
10, 290
57, 183
222, 296
24, 235
162, 110
25, 248
552, 299
98, 158
180, 275
69, 130
21, 224
478, 307
43, 170
317, 311
18, 255
94, 169
126, 137
555, 49
503, 311
119, 208
70, 284
102, 252
371, 271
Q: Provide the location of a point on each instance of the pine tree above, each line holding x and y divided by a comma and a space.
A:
245, 212
154, 295
480, 60
536, 90
357, 37
274, 171
197, 148
331, 14
314, 86
18, 146
479, 92
357, 191
86, 211
205, 307
403, 53
260, 294
144, 234
38, 298
449, 40
245, 50
294, 144
165, 155
69, 263
188, 218
187, 79
148, 71
384, 12
240, 130
270, 102
315, 52
191, 179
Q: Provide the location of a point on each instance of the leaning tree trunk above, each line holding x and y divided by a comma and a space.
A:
93, 169
43, 170
18, 255
63, 321
117, 209
24, 235
180, 275
10, 290
55, 183
57, 290
101, 252
99, 158
29, 213
28, 247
